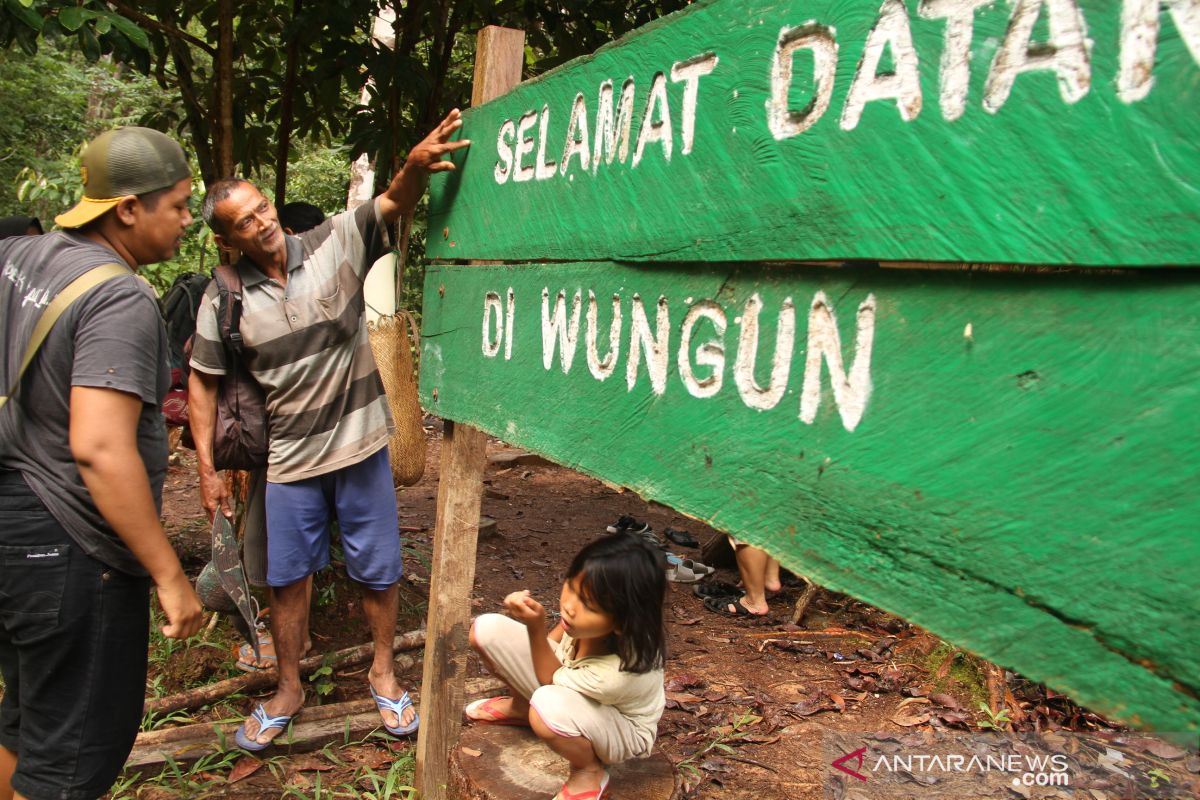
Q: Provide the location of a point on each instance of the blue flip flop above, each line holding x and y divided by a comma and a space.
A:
265, 723
397, 707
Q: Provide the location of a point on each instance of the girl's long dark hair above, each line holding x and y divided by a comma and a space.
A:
623, 576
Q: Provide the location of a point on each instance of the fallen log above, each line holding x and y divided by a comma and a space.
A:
255, 681
314, 728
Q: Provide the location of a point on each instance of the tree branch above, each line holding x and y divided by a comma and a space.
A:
161, 27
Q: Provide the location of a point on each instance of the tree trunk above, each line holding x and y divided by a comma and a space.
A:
224, 69
285, 108
195, 112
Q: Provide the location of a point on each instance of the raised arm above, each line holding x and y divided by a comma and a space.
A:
408, 184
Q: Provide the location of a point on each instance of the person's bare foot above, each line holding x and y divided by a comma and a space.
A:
499, 711
266, 653
589, 783
281, 705
386, 685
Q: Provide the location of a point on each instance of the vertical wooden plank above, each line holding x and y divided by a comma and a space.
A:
500, 54
460, 487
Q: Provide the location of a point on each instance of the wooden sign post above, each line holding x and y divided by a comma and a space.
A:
500, 54
736, 249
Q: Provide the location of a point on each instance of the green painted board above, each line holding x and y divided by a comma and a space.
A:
980, 131
1007, 459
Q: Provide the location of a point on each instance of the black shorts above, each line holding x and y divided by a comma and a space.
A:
73, 640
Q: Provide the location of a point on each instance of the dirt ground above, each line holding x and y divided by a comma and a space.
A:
749, 702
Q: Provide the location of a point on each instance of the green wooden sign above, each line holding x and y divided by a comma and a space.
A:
1027, 131
1007, 459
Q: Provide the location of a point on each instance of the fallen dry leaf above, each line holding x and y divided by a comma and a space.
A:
946, 700
683, 697
1162, 749
246, 766
310, 763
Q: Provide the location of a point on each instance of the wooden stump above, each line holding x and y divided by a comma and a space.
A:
513, 764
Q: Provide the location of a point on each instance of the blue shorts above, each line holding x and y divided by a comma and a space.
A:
363, 500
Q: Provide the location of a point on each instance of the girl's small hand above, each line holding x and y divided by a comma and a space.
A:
525, 609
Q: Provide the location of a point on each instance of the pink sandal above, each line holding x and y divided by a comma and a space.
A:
595, 794
489, 715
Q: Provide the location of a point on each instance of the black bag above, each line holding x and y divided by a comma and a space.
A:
240, 437
180, 305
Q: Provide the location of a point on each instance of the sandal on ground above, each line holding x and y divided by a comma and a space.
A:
702, 570
595, 794
721, 605
627, 524
397, 707
717, 589
483, 711
265, 723
681, 538
683, 574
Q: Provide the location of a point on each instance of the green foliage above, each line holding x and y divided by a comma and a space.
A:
994, 720
322, 680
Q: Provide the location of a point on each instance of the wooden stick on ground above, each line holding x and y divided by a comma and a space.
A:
810, 591
254, 681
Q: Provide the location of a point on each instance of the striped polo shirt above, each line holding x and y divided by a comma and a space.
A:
306, 344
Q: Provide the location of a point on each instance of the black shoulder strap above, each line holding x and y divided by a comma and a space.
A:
229, 306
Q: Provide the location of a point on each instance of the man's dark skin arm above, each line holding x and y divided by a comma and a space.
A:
103, 440
202, 418
408, 184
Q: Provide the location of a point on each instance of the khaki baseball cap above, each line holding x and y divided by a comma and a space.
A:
123, 162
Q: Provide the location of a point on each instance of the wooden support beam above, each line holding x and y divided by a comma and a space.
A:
499, 57
456, 532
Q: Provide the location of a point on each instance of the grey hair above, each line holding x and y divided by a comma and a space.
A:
219, 191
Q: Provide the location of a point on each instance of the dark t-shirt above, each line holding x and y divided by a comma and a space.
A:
111, 338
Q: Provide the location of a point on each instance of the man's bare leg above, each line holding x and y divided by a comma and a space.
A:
380, 610
289, 619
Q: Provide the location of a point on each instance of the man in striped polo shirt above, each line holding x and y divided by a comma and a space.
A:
305, 341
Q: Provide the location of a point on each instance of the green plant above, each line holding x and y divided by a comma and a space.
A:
195, 780
720, 742
322, 679
395, 783
153, 721
994, 720
123, 788
1156, 775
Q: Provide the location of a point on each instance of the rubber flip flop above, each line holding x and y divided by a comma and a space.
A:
682, 538
703, 570
265, 723
717, 589
720, 605
596, 794
493, 717
683, 574
397, 707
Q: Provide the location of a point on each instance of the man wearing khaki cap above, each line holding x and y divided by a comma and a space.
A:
82, 459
